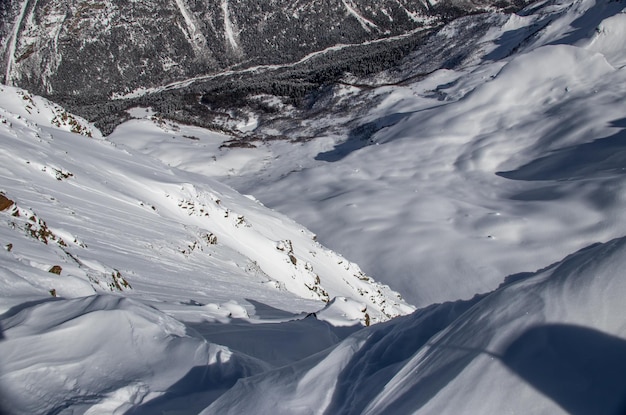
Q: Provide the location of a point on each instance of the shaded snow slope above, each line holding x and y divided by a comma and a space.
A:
105, 354
504, 164
552, 342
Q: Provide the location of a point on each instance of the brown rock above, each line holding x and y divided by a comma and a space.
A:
56, 270
5, 203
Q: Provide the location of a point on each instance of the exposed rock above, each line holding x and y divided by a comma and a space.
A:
5, 202
56, 269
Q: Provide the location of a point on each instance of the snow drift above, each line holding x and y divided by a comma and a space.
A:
105, 354
550, 342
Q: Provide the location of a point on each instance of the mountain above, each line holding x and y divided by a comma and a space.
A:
86, 52
481, 175
503, 164
97, 230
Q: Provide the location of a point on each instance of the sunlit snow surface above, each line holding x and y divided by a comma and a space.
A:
477, 178
549, 343
502, 166
112, 263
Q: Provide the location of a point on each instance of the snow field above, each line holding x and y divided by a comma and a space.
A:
549, 342
511, 166
130, 286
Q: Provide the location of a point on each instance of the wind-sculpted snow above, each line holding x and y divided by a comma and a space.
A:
549, 343
565, 312
106, 354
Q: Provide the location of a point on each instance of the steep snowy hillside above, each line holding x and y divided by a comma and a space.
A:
95, 238
132, 281
108, 218
442, 185
553, 342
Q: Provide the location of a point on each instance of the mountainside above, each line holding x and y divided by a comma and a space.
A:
503, 164
553, 342
103, 248
95, 50
82, 216
482, 176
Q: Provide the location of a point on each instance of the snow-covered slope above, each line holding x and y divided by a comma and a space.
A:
446, 184
105, 252
553, 342
106, 217
132, 287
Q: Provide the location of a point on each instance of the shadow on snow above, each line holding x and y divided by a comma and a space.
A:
360, 137
601, 157
579, 368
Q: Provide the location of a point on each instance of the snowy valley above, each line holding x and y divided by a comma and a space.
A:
171, 269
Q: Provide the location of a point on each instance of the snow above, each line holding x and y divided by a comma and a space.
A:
195, 35
134, 280
451, 215
550, 342
108, 254
229, 30
13, 40
610, 40
204, 226
366, 24
116, 361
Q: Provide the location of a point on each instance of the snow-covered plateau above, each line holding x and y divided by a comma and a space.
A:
160, 271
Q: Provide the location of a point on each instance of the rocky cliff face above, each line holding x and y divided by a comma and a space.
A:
96, 48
